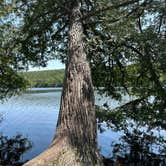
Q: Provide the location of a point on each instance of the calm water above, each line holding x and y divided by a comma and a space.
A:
34, 115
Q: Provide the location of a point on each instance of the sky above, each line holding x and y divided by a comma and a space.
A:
52, 64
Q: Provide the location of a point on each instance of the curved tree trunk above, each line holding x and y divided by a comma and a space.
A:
75, 142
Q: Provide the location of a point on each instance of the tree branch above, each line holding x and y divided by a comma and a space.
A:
160, 24
152, 71
139, 25
108, 7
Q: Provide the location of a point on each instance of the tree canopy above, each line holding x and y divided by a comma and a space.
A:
125, 42
116, 34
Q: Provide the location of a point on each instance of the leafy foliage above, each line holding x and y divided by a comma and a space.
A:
11, 149
125, 33
10, 81
140, 148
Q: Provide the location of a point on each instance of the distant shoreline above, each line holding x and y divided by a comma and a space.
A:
44, 90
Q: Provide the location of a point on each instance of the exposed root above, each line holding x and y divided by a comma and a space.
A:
59, 154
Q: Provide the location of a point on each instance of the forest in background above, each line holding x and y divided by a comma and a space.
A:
46, 78
54, 78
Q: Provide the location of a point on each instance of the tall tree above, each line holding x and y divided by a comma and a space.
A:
56, 29
76, 127
77, 121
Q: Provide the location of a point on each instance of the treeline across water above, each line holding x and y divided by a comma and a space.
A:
54, 78
47, 78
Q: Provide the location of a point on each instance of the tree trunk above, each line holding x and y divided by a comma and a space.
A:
77, 120
75, 142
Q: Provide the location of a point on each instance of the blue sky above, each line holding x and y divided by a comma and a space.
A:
53, 64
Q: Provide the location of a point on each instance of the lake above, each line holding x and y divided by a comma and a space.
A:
35, 114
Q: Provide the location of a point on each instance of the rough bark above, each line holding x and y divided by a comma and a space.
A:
77, 121
75, 142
